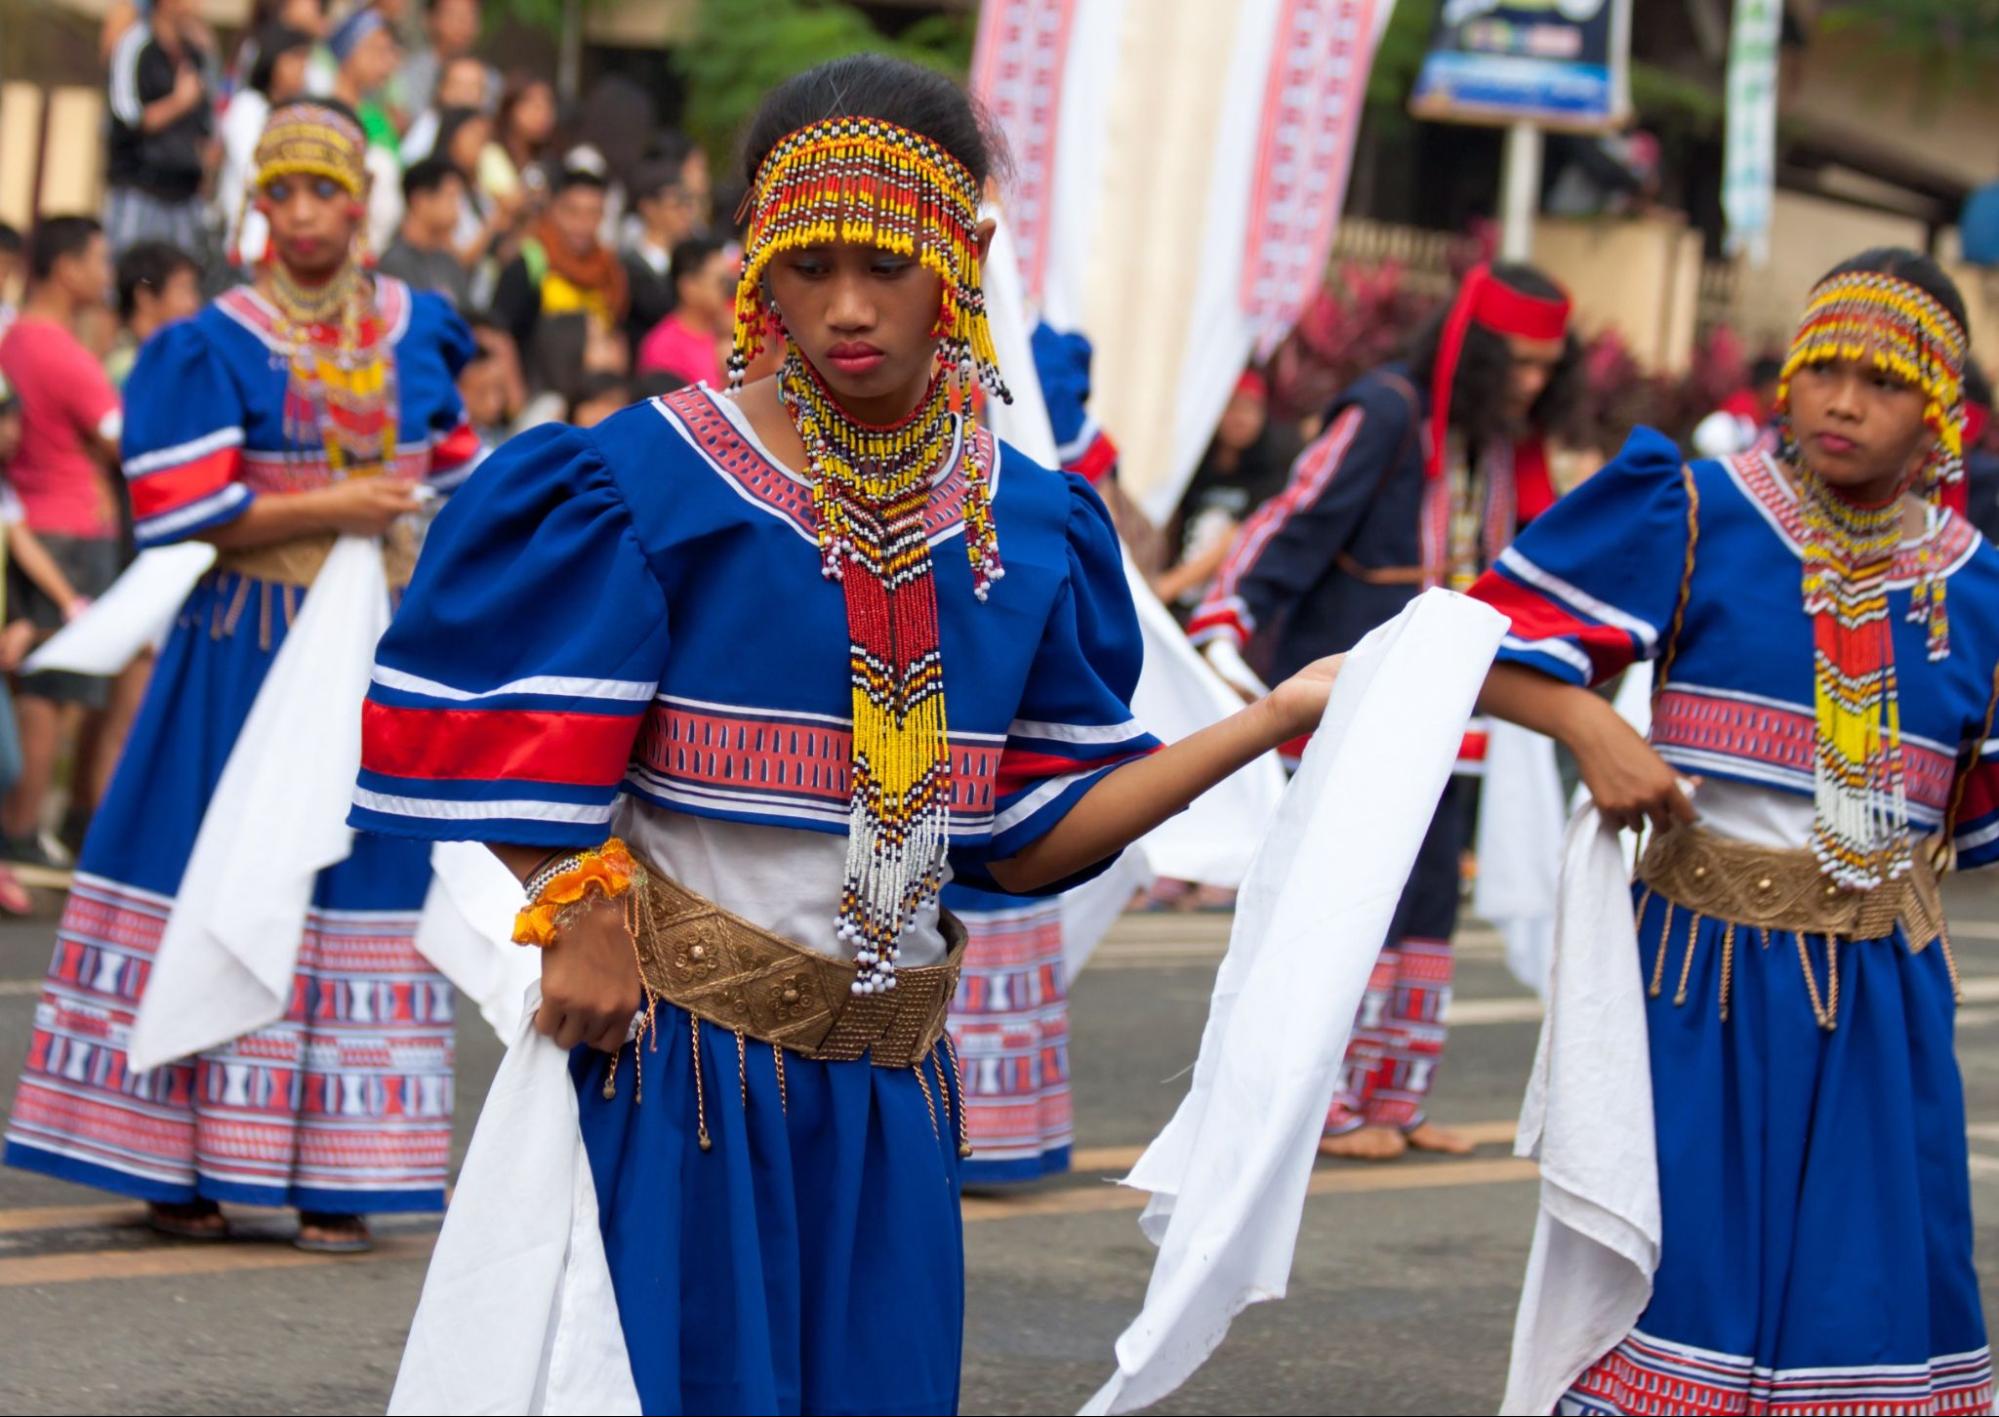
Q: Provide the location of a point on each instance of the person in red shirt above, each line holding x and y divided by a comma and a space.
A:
688, 343
70, 421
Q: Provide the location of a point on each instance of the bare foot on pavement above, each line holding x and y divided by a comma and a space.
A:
1427, 1136
1365, 1144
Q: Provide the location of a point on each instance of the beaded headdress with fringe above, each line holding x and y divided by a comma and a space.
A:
341, 387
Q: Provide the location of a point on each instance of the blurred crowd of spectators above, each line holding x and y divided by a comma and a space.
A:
578, 241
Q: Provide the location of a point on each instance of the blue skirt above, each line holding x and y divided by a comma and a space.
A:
812, 1260
343, 1105
1815, 1184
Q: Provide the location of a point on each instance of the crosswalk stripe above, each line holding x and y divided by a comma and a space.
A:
190, 1259
179, 1261
1343, 1180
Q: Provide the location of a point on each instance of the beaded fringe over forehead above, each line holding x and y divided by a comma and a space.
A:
871, 182
308, 140
1898, 327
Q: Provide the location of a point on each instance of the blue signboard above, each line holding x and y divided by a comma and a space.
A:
1558, 63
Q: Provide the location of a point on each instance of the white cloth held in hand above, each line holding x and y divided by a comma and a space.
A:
467, 928
278, 818
1588, 1119
517, 1313
1229, 1172
133, 616
1520, 821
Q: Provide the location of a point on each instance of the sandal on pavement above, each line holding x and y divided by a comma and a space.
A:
338, 1234
188, 1220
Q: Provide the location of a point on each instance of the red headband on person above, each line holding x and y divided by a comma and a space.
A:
1493, 305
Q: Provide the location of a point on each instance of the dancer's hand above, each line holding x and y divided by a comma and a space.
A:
590, 981
1297, 705
365, 506
1629, 782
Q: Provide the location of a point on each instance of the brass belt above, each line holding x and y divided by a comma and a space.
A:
1379, 575
297, 562
742, 977
1777, 889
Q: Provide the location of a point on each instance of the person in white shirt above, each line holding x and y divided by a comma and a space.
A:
277, 77
464, 82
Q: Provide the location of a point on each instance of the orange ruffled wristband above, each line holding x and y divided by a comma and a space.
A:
605, 872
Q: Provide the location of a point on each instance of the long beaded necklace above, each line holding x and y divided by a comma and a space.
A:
870, 487
1860, 830
855, 178
340, 390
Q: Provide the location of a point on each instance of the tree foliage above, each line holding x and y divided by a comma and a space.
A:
742, 48
1953, 43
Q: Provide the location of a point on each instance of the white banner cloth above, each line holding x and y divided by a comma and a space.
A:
1520, 820
1588, 1119
133, 616
1228, 1174
277, 819
517, 1313
1177, 692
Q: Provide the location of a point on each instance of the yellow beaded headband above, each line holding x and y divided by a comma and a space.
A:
1898, 327
309, 140
869, 181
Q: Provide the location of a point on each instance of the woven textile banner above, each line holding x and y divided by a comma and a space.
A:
1183, 236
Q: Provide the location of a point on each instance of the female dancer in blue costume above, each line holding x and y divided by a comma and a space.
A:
311, 403
764, 635
1810, 1117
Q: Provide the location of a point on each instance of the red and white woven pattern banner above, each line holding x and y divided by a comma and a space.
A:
1311, 115
1017, 68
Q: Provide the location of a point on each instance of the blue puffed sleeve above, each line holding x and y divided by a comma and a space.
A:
182, 446
509, 690
1590, 587
1074, 723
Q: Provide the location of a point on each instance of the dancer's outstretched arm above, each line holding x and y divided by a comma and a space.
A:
590, 986
1132, 800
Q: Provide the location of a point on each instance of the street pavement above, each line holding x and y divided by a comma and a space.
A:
1401, 1298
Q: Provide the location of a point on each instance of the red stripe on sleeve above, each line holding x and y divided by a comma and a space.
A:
1536, 617
494, 745
457, 447
1209, 623
1019, 771
1094, 461
171, 488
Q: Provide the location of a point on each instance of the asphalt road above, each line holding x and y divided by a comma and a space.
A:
1401, 1299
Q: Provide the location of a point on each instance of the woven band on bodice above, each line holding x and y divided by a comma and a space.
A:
1776, 889
742, 977
298, 562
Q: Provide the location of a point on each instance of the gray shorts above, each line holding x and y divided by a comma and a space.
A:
91, 563
132, 216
